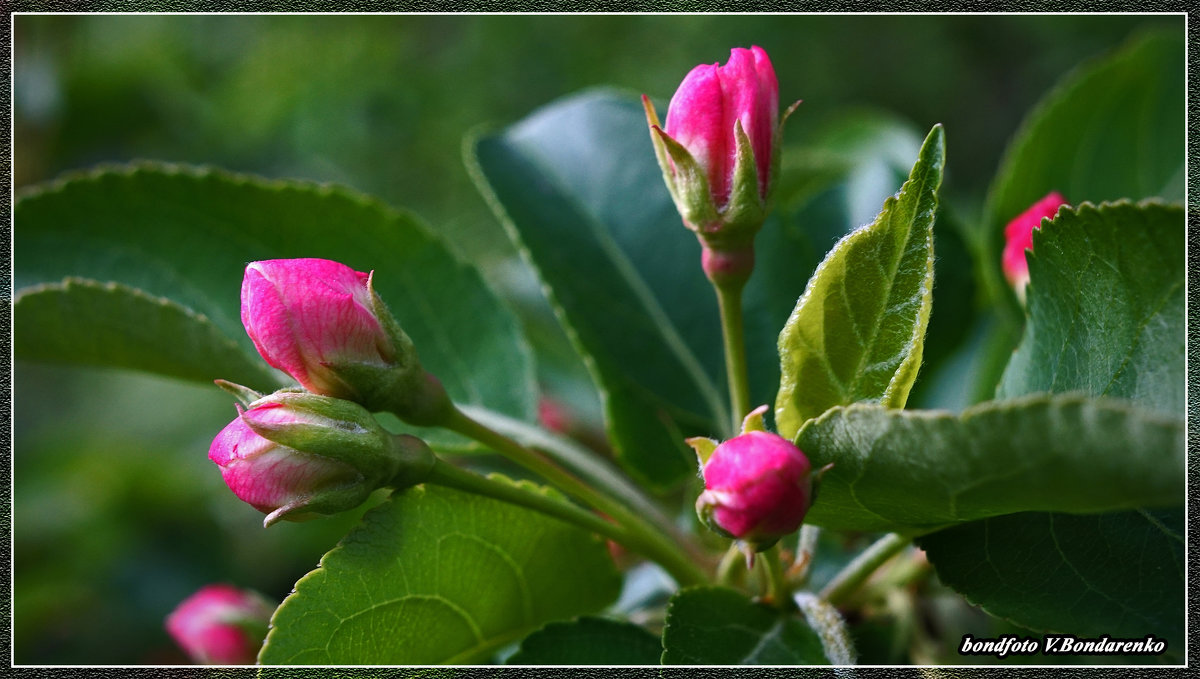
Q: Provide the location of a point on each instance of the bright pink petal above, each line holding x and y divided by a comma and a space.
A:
696, 119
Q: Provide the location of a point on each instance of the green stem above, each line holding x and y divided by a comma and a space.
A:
777, 587
446, 474
730, 560
584, 463
857, 571
641, 536
729, 299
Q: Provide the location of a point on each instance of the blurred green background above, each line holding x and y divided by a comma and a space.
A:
118, 515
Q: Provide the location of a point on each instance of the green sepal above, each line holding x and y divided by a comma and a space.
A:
691, 194
328, 501
244, 395
743, 215
754, 420
704, 448
660, 150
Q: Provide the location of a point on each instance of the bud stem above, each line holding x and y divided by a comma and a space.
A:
446, 474
777, 586
639, 535
857, 571
729, 299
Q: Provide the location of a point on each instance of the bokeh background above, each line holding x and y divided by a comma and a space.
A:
118, 515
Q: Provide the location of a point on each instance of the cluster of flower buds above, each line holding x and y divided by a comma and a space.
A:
758, 486
221, 625
719, 153
1018, 237
318, 450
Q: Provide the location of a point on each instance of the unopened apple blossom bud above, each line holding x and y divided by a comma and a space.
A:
719, 153
758, 486
221, 625
1018, 237
293, 455
322, 323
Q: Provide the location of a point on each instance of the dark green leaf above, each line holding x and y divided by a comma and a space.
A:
857, 332
1119, 574
1106, 307
589, 210
1112, 129
589, 641
439, 576
177, 239
913, 471
718, 626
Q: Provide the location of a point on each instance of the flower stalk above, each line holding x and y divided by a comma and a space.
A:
640, 535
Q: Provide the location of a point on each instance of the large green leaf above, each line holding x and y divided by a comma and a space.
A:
589, 641
718, 626
439, 576
1106, 307
913, 471
173, 241
1120, 574
857, 332
1112, 129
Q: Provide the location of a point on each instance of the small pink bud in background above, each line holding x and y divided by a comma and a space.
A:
221, 625
307, 315
553, 415
273, 478
709, 103
757, 488
1018, 237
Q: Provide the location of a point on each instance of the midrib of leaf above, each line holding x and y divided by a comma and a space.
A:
770, 636
891, 284
641, 290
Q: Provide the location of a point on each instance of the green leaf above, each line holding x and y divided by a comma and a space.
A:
174, 242
718, 626
914, 471
1106, 307
1112, 129
128, 328
1120, 574
589, 641
857, 332
439, 576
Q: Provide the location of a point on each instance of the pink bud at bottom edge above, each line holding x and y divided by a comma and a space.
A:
214, 625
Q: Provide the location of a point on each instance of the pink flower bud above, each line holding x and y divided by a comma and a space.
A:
307, 316
757, 488
221, 625
322, 323
710, 102
1019, 238
273, 478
